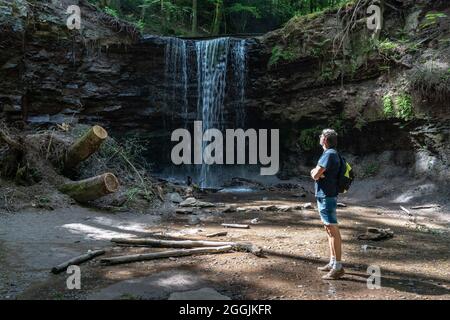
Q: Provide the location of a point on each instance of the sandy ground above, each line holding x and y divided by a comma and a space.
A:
414, 264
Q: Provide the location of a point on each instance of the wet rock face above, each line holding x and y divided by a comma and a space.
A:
302, 85
49, 74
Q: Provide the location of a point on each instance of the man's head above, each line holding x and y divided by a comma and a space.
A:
328, 139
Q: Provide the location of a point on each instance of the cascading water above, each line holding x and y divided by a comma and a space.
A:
176, 74
212, 63
239, 61
217, 60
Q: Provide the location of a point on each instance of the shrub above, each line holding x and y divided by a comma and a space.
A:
403, 105
280, 54
388, 106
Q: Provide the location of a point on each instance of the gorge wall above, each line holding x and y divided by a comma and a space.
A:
387, 104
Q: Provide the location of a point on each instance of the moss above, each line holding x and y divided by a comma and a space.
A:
431, 19
280, 54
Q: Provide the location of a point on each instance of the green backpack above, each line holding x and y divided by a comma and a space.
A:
346, 175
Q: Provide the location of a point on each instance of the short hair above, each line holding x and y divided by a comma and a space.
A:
331, 137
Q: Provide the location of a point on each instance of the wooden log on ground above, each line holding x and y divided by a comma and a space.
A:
237, 226
92, 188
165, 254
186, 244
157, 243
84, 147
77, 260
217, 234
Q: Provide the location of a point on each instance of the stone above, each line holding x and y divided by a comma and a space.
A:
174, 197
230, 209
191, 201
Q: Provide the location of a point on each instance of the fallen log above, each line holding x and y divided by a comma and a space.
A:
186, 244
157, 243
237, 226
217, 234
84, 147
165, 254
92, 188
77, 260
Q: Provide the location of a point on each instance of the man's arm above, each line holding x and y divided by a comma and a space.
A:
317, 172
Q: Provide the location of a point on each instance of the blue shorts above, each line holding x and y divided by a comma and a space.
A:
327, 210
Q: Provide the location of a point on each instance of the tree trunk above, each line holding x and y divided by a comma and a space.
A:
85, 146
173, 243
246, 247
92, 188
194, 17
77, 260
165, 254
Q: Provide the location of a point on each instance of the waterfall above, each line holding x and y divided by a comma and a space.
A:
176, 75
239, 61
212, 63
215, 62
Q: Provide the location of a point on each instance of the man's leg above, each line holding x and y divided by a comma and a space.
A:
334, 236
336, 242
330, 264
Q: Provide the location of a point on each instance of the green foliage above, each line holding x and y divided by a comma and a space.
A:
370, 170
309, 138
399, 106
388, 48
280, 54
431, 19
388, 106
111, 12
403, 105
175, 17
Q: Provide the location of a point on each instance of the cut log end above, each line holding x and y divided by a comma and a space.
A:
101, 133
92, 188
111, 183
84, 147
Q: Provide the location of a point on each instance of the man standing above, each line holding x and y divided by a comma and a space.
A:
326, 175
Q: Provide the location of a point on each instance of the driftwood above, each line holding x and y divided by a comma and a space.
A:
237, 226
77, 260
92, 188
186, 244
217, 234
84, 147
166, 254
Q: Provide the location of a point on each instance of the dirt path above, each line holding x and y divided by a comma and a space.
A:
414, 264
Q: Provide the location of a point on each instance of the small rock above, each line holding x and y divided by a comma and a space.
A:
188, 202
230, 209
174, 197
185, 210
254, 221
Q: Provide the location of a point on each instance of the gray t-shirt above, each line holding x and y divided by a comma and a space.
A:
328, 186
